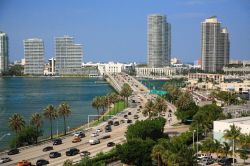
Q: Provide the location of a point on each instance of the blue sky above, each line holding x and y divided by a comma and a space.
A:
117, 29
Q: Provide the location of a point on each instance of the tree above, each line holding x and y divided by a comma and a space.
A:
152, 129
244, 154
113, 98
126, 91
160, 105
51, 114
64, 111
36, 121
173, 92
136, 152
233, 135
225, 148
157, 153
16, 122
96, 103
68, 163
149, 109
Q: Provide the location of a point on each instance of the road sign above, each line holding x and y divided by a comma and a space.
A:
158, 92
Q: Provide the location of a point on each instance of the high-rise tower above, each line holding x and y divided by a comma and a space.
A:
214, 45
159, 41
34, 56
4, 56
68, 55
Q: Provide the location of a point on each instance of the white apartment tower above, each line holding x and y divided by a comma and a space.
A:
34, 56
4, 56
159, 41
68, 55
215, 45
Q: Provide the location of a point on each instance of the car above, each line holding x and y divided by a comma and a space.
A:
48, 148
4, 160
108, 128
162, 114
125, 116
226, 161
76, 139
72, 152
122, 121
57, 141
94, 141
110, 144
110, 122
98, 130
13, 151
54, 154
136, 116
24, 163
116, 123
42, 162
106, 136
129, 121
85, 153
79, 134
129, 113
94, 134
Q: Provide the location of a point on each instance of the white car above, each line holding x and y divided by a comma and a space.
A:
4, 160
98, 130
94, 141
94, 134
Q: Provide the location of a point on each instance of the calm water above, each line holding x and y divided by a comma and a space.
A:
29, 95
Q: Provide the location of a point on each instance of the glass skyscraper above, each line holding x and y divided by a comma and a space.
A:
34, 56
68, 55
4, 56
215, 45
159, 41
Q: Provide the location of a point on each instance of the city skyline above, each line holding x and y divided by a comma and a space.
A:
122, 36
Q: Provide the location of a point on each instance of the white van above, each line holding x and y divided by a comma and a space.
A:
94, 141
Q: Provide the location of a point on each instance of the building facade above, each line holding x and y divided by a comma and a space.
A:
68, 56
159, 41
50, 67
222, 125
149, 72
215, 45
4, 55
34, 56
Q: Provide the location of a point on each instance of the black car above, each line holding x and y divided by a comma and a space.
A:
125, 116
129, 121
110, 122
72, 152
13, 151
110, 144
57, 141
42, 162
108, 128
129, 113
106, 136
54, 154
226, 161
48, 148
116, 123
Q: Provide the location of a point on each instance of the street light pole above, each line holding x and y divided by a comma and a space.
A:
193, 137
197, 148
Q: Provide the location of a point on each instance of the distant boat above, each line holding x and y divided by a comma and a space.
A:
100, 82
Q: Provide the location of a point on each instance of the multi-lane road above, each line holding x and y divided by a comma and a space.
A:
34, 153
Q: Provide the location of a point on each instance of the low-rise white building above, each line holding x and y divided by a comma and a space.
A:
111, 67
148, 72
222, 125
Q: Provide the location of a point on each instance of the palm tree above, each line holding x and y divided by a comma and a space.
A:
113, 98
157, 152
36, 120
233, 135
51, 114
149, 109
160, 105
64, 111
225, 148
96, 103
16, 122
126, 92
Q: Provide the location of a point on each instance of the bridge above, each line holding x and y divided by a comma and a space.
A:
117, 80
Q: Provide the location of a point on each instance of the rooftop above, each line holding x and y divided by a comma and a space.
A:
244, 120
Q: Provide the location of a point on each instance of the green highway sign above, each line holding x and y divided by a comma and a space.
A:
158, 92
